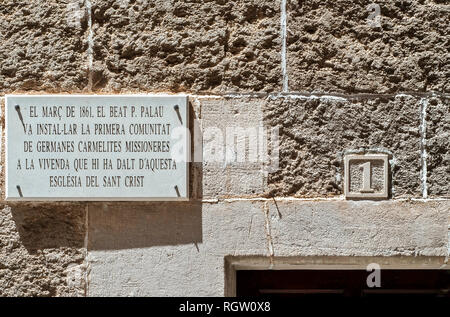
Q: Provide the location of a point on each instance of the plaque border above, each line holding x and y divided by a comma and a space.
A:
99, 199
368, 157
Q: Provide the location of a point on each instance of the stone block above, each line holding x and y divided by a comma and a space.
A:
315, 134
169, 249
359, 228
42, 250
189, 46
233, 150
43, 46
341, 46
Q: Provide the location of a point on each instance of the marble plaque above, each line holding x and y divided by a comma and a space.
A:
86, 147
366, 176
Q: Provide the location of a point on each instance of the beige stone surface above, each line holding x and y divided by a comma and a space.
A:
315, 134
331, 47
360, 228
43, 46
187, 45
233, 165
184, 249
42, 250
169, 249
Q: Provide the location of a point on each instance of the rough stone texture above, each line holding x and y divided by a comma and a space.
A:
359, 228
231, 129
332, 48
448, 252
2, 146
438, 147
42, 46
315, 133
41, 250
182, 45
169, 249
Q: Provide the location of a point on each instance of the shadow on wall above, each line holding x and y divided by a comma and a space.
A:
45, 225
126, 225
114, 225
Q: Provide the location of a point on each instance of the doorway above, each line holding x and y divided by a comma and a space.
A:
430, 283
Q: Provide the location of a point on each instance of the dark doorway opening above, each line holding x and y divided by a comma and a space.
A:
342, 283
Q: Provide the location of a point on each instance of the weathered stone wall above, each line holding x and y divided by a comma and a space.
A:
42, 250
189, 46
333, 48
330, 78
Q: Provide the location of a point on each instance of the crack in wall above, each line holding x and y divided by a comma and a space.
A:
90, 50
448, 251
423, 149
311, 199
86, 261
306, 95
267, 227
283, 46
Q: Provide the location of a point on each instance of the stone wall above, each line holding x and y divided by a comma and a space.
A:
332, 80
